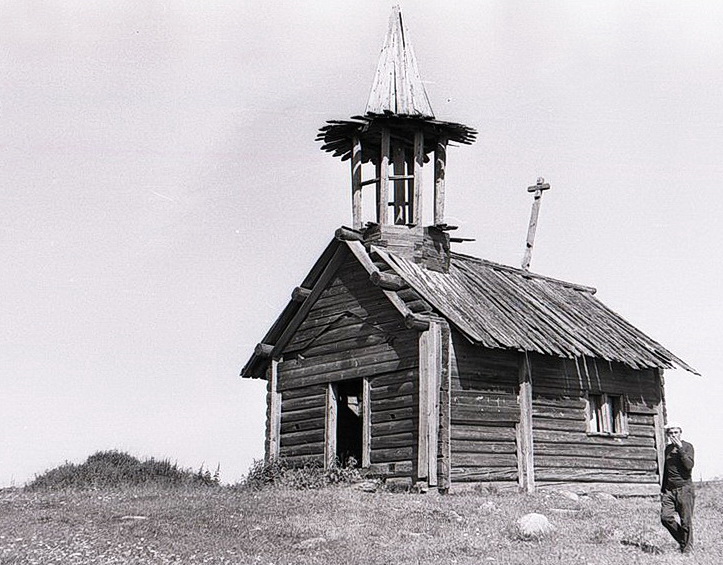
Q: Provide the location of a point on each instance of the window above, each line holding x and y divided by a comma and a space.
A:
606, 414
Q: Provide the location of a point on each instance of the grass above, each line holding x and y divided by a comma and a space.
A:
335, 524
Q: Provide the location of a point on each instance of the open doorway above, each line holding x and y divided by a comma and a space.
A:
350, 421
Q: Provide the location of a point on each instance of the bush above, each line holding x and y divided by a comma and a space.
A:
307, 475
116, 468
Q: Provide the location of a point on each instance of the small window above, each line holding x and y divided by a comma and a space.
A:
606, 414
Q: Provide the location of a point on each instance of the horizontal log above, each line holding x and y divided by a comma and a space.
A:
291, 404
348, 234
302, 437
484, 460
304, 392
299, 294
406, 439
558, 425
393, 390
299, 460
393, 427
612, 451
488, 416
298, 368
301, 415
543, 461
475, 474
394, 378
394, 403
399, 414
482, 433
554, 436
263, 350
387, 281
395, 454
416, 322
593, 475
461, 446
303, 425
306, 449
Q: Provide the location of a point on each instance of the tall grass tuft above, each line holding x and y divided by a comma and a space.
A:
113, 469
307, 475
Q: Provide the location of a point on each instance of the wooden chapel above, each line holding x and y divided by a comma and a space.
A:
438, 368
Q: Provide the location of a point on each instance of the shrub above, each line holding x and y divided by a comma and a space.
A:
306, 475
116, 468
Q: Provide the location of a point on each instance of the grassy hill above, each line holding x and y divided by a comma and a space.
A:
196, 522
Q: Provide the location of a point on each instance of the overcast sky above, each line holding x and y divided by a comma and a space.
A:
161, 193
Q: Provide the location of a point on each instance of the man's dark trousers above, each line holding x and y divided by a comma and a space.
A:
679, 501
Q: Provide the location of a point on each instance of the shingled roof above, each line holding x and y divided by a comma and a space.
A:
498, 307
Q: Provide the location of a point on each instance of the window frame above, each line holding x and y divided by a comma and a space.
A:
606, 414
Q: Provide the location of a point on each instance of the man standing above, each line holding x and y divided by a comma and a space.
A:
677, 495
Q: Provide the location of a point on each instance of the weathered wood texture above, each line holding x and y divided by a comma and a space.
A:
564, 450
352, 332
484, 413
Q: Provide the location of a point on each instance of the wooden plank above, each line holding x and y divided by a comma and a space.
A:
303, 450
275, 404
291, 404
302, 425
401, 388
486, 460
302, 437
393, 427
399, 414
331, 426
326, 275
526, 426
462, 446
301, 415
440, 166
356, 183
659, 423
547, 461
482, 433
604, 452
405, 439
418, 163
596, 475
383, 200
444, 463
555, 436
366, 422
395, 454
476, 474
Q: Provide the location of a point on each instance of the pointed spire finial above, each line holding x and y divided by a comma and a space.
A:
397, 87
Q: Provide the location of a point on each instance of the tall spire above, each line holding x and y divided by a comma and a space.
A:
397, 87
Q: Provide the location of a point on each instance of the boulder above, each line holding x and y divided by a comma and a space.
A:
534, 526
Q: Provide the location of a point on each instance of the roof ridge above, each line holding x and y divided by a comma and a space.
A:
522, 272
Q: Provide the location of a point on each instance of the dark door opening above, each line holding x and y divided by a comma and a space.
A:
350, 418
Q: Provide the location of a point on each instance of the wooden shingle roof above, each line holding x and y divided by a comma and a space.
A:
497, 306
494, 306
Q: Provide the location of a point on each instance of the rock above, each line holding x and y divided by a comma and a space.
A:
309, 543
603, 497
488, 507
398, 484
534, 526
570, 495
367, 486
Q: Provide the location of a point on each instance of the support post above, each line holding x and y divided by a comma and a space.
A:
430, 369
526, 459
366, 423
440, 166
383, 199
659, 422
272, 374
400, 186
445, 412
332, 408
418, 163
532, 228
356, 183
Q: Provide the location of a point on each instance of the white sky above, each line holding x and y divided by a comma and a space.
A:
161, 193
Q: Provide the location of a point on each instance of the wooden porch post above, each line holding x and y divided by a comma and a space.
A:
272, 374
330, 426
366, 423
430, 377
525, 451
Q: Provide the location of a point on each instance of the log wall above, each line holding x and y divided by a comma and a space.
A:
564, 451
351, 332
484, 413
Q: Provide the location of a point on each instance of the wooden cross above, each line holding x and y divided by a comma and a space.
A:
538, 189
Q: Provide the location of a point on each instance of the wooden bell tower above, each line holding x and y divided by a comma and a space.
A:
395, 138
